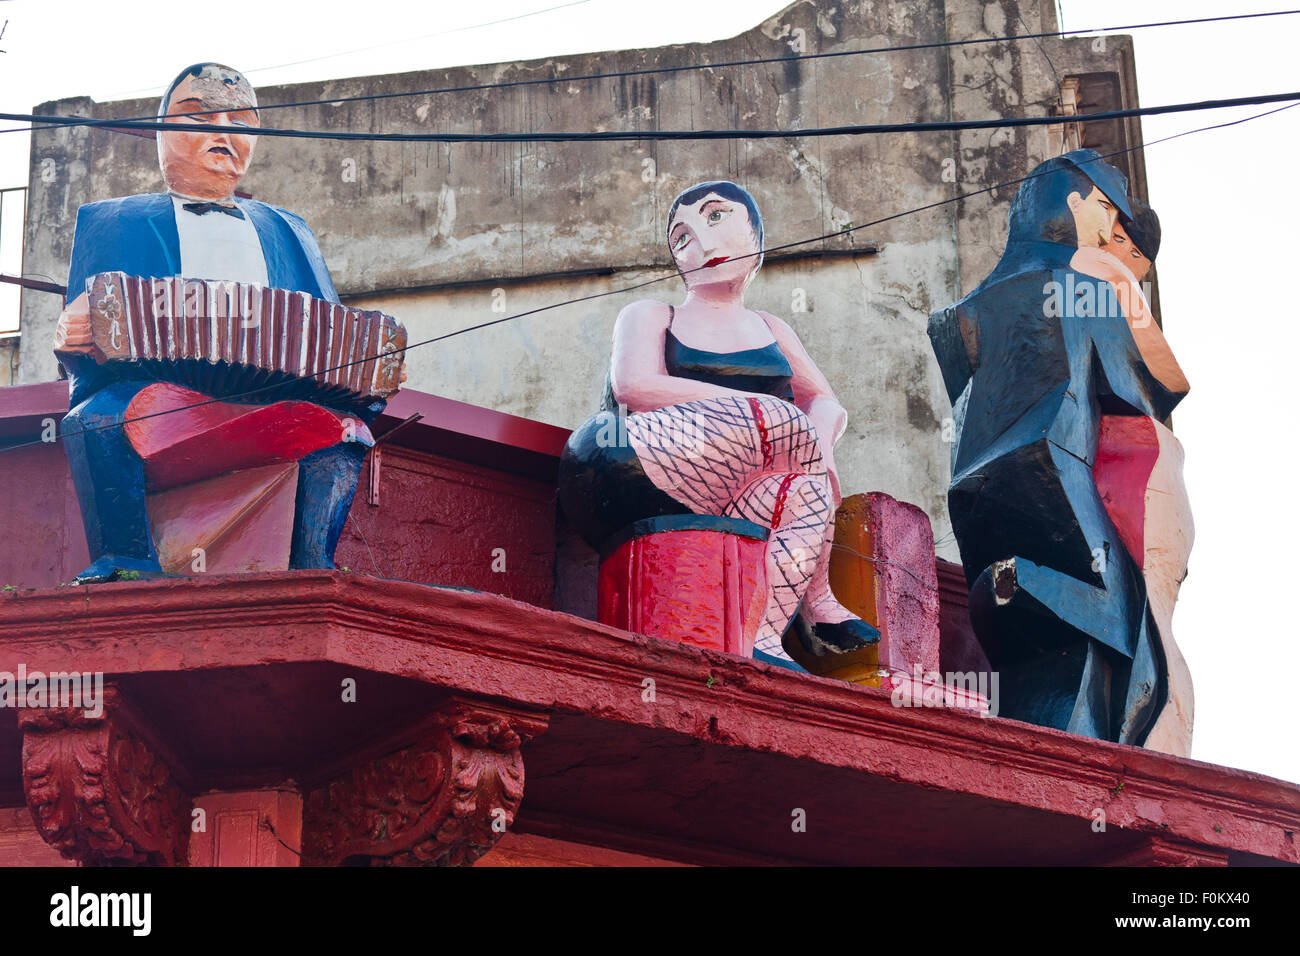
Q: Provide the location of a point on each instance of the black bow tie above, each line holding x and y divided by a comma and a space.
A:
199, 208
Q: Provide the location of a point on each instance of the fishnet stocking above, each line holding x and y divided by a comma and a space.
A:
757, 459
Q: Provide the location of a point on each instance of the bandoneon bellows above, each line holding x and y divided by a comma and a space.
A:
228, 338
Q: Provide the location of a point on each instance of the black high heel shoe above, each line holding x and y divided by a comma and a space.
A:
830, 640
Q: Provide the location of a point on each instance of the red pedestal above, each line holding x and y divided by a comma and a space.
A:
690, 581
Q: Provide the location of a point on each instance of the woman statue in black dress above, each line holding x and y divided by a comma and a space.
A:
726, 414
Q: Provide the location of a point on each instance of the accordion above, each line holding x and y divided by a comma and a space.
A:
228, 338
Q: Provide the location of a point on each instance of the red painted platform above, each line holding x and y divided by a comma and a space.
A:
240, 675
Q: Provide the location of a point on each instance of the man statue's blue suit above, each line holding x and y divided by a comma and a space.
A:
138, 235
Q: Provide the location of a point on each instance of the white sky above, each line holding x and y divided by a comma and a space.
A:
1226, 198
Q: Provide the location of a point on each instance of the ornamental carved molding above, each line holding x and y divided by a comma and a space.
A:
443, 800
99, 790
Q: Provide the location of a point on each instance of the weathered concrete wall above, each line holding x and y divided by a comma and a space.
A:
429, 231
9, 356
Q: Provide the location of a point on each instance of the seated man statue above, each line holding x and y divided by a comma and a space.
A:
1059, 382
180, 300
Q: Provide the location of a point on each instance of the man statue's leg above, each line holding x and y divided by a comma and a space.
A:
1062, 629
327, 480
1093, 703
1145, 688
109, 478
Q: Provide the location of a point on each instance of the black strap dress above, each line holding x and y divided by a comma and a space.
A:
602, 486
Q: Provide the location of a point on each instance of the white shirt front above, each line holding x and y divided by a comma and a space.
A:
215, 245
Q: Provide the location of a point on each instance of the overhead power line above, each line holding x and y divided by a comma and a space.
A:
674, 274
724, 64
660, 135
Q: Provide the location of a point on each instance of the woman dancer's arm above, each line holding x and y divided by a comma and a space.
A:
813, 394
1151, 342
638, 376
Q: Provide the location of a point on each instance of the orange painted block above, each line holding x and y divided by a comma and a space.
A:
882, 569
852, 571
859, 667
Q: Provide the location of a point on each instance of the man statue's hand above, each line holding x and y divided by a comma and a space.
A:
72, 334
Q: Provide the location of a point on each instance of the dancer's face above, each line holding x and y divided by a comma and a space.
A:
715, 234
1122, 246
1094, 217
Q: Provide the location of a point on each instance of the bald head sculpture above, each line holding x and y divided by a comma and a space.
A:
207, 163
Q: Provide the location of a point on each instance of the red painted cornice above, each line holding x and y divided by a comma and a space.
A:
551, 662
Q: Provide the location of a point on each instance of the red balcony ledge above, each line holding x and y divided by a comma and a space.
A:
582, 742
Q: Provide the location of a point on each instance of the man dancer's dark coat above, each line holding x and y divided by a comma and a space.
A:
1032, 359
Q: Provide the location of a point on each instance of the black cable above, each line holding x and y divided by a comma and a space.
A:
795, 58
640, 285
668, 135
266, 824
